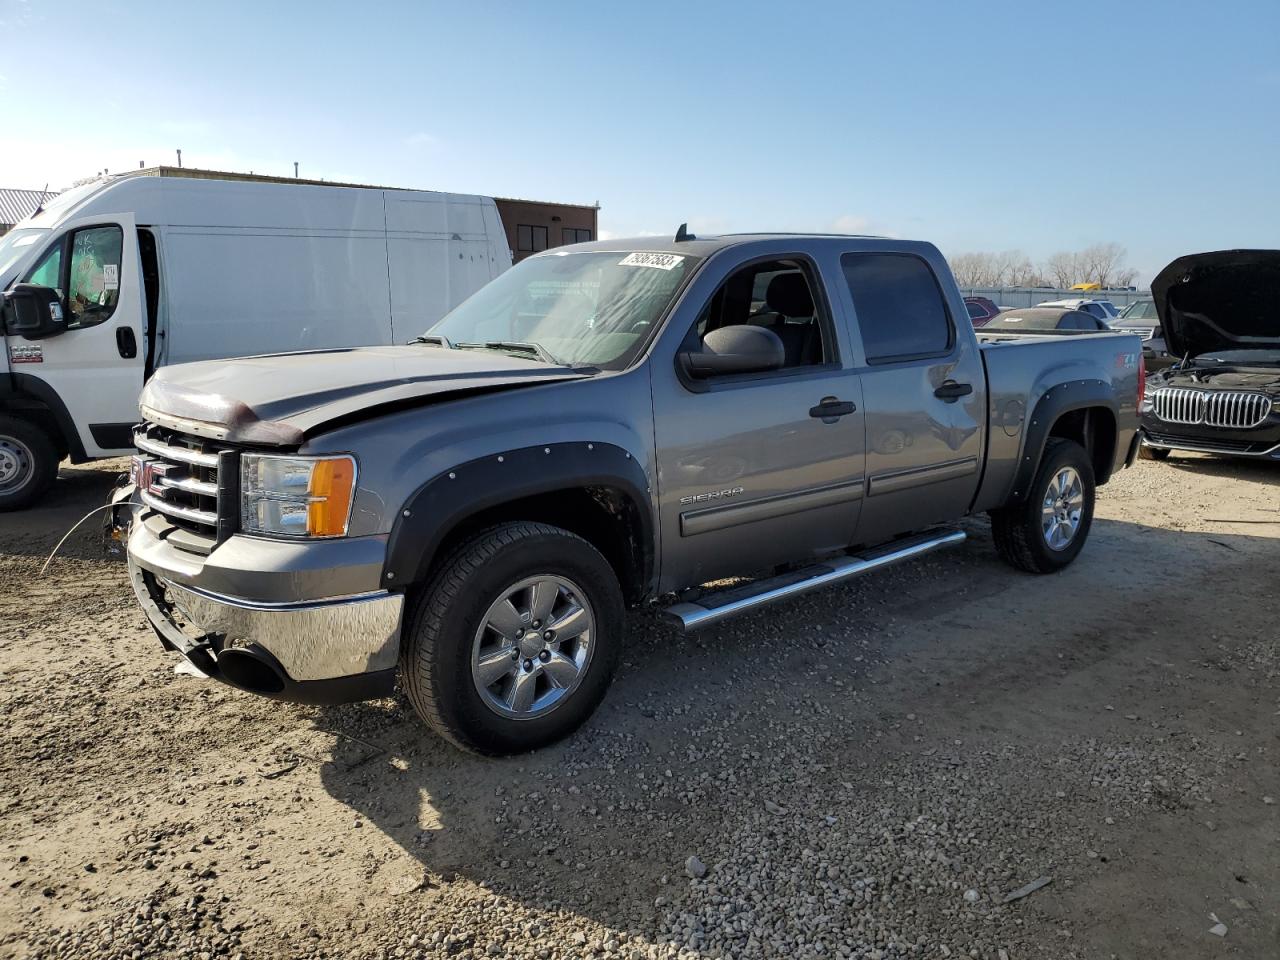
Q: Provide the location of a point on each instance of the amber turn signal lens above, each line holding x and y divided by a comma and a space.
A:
331, 488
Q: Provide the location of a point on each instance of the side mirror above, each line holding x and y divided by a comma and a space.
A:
33, 312
742, 348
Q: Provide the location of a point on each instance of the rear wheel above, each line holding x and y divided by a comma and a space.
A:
1048, 530
515, 639
28, 463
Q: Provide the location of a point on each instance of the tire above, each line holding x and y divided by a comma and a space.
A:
1020, 531
28, 463
451, 641
1153, 453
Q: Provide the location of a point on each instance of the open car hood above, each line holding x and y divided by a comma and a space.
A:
280, 399
1226, 300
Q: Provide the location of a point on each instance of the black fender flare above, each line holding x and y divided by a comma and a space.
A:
1059, 399
31, 393
437, 507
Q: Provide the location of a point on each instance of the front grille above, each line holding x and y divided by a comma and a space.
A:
189, 481
1222, 408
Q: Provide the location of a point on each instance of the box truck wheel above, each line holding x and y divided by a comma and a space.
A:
28, 463
514, 640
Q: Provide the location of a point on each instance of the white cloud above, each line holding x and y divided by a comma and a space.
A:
422, 140
851, 223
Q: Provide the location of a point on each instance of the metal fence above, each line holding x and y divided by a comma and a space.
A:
1030, 296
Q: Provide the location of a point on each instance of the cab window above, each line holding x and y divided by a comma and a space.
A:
777, 295
900, 308
84, 267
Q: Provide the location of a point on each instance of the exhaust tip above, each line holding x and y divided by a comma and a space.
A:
251, 670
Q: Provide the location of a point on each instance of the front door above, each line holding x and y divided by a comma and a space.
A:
758, 469
925, 390
96, 367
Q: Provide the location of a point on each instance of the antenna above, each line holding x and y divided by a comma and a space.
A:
683, 234
295, 169
179, 159
40, 205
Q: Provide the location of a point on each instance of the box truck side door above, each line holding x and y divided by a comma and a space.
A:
94, 369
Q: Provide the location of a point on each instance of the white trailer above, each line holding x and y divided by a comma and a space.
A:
160, 267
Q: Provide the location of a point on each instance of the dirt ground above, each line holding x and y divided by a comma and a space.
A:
865, 772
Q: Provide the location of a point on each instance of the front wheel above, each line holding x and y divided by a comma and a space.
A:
28, 463
1047, 531
514, 640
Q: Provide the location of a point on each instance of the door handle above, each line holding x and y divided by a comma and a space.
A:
952, 391
830, 409
125, 343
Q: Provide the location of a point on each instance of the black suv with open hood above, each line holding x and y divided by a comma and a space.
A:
1221, 317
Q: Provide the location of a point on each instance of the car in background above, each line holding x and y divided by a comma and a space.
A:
1217, 311
1045, 320
1142, 318
981, 309
1102, 309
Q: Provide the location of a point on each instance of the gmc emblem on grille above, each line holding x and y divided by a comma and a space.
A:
147, 474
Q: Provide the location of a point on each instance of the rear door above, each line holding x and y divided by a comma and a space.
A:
757, 469
95, 367
924, 393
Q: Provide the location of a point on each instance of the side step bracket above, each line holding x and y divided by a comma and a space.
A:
721, 604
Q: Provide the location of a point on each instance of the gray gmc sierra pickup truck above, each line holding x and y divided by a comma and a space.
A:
603, 425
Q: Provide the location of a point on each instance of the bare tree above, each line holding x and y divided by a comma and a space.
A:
1008, 268
973, 269
1101, 263
1063, 268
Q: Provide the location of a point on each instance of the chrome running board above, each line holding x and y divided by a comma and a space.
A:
720, 604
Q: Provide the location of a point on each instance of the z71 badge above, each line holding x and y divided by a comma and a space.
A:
26, 353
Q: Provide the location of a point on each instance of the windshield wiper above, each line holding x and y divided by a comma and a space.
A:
438, 340
512, 346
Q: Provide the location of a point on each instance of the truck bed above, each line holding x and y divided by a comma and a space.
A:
1089, 366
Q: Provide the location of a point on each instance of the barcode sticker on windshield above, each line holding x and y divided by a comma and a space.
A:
663, 261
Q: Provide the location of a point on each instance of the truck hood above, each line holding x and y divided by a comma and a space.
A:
281, 399
1226, 300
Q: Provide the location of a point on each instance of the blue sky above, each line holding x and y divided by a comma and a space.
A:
980, 126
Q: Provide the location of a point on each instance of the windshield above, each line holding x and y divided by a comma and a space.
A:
16, 244
1141, 310
590, 309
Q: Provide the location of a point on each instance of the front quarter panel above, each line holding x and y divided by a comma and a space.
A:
400, 454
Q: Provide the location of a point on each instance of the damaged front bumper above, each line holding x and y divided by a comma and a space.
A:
304, 649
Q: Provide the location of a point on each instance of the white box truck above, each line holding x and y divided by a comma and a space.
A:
161, 267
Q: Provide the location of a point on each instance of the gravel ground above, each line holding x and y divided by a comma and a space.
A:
866, 772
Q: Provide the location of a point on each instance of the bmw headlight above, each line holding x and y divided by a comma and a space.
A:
296, 496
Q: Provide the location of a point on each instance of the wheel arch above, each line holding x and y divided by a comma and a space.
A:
32, 399
595, 490
1081, 410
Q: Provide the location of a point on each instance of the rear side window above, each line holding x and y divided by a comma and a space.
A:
899, 304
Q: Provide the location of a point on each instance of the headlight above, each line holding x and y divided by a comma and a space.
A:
296, 496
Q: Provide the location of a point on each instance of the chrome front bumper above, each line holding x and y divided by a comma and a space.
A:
316, 650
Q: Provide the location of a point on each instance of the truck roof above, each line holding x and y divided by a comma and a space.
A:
705, 246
